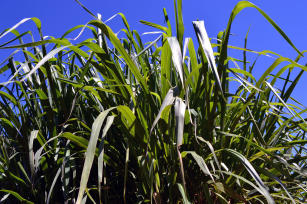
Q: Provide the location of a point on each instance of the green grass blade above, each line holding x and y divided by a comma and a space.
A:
245, 4
35, 20
90, 152
117, 44
183, 194
201, 163
24, 172
166, 58
109, 122
168, 100
16, 195
254, 174
58, 173
86, 9
179, 22
169, 27
42, 62
154, 25
80, 141
128, 119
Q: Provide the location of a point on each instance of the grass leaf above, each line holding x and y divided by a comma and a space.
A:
90, 152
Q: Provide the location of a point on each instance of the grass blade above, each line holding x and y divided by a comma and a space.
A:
17, 195
283, 102
212, 151
90, 152
109, 122
179, 21
176, 56
35, 20
154, 25
58, 173
149, 46
117, 44
168, 100
86, 9
202, 164
204, 41
31, 153
180, 107
183, 194
166, 59
45, 59
254, 174
244, 4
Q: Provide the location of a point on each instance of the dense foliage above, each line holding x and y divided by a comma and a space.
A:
111, 120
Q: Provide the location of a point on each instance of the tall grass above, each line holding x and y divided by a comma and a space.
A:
111, 120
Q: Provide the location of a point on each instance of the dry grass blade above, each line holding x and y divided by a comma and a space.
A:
177, 57
4, 197
126, 174
38, 153
203, 38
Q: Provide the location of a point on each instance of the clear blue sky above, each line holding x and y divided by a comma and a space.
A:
57, 16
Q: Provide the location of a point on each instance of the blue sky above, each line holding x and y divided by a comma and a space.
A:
57, 16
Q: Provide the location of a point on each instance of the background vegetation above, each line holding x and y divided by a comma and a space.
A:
111, 120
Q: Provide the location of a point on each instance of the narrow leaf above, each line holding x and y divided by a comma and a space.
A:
90, 152
109, 122
53, 184
45, 59
254, 174
18, 196
180, 107
33, 135
176, 56
203, 38
202, 164
168, 100
183, 194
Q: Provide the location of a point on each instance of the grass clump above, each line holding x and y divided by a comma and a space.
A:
109, 120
